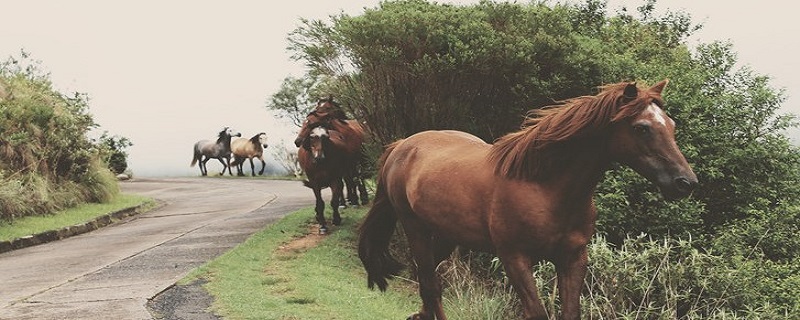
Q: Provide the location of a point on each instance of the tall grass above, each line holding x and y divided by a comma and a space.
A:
643, 279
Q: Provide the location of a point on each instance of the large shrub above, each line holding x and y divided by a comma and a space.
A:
47, 162
411, 65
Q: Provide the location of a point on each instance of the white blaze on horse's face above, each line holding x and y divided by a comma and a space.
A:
233, 133
316, 136
262, 139
657, 115
319, 132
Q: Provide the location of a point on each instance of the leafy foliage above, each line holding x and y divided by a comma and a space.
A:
113, 151
295, 99
46, 160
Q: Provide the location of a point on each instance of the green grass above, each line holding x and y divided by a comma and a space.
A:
257, 280
86, 212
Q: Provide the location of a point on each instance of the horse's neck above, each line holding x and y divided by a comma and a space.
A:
578, 174
225, 142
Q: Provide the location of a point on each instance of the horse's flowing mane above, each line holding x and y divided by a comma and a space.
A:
222, 135
254, 140
532, 152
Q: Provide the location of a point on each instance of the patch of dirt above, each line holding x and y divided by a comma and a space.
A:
301, 244
183, 302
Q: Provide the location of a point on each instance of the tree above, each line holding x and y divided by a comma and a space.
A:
295, 99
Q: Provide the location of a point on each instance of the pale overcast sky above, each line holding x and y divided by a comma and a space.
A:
168, 73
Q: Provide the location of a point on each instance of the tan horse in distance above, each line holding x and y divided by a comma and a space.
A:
243, 148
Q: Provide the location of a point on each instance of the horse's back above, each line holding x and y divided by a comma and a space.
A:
439, 177
241, 147
201, 145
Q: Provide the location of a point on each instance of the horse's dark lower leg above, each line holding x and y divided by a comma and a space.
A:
518, 267
352, 197
426, 258
204, 167
225, 166
252, 167
570, 270
362, 190
320, 210
336, 189
263, 166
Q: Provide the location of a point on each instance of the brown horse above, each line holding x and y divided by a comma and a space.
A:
323, 157
329, 114
243, 148
527, 198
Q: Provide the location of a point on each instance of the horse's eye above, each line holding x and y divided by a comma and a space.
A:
641, 129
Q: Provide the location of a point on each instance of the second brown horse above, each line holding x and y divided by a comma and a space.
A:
527, 198
330, 152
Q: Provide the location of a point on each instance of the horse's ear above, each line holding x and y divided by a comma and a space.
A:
631, 92
659, 87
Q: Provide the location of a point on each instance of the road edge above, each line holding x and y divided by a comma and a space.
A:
69, 231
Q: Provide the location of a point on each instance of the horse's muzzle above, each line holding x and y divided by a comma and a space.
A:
680, 187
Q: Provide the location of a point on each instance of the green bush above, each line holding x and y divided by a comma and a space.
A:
641, 279
47, 162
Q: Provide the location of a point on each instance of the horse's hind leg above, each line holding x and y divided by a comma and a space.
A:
238, 162
204, 167
428, 252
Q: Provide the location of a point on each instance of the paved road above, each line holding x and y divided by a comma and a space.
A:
111, 272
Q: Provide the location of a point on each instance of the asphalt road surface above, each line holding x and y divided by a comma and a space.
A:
110, 273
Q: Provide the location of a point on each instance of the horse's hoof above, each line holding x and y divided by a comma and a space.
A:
415, 316
323, 230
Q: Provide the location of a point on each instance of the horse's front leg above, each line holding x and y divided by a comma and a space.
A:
571, 269
336, 189
263, 166
518, 267
252, 167
224, 165
320, 210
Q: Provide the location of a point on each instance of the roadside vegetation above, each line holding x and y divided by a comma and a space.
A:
729, 251
25, 226
47, 161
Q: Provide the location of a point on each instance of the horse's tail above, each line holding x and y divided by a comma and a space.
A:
194, 160
375, 234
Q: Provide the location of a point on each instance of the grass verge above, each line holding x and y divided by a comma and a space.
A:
269, 276
82, 213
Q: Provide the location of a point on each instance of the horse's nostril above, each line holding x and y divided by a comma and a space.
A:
684, 185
